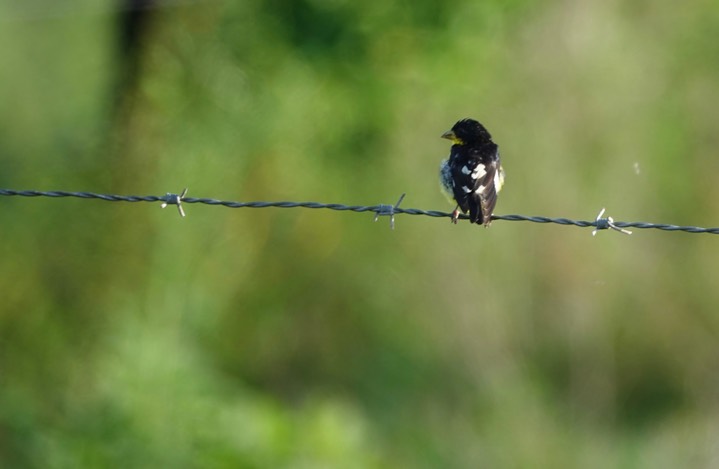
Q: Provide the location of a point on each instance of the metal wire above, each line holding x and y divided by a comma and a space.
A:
380, 210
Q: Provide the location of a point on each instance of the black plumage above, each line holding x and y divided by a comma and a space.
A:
472, 174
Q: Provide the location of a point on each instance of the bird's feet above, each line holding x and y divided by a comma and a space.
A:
455, 216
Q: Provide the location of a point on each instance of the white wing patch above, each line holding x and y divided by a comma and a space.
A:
479, 171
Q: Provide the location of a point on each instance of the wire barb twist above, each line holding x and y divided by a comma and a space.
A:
606, 223
390, 210
174, 199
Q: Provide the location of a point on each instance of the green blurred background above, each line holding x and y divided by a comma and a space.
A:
130, 337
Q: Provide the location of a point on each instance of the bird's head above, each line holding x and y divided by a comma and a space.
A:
467, 131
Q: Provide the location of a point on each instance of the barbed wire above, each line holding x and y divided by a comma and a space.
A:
599, 223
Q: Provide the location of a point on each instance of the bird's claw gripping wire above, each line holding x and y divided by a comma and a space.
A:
606, 223
388, 210
455, 215
174, 199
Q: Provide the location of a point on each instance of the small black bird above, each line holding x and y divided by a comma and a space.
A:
472, 175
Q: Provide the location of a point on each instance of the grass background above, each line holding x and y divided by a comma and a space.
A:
297, 338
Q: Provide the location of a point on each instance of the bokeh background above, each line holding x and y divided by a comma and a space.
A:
274, 338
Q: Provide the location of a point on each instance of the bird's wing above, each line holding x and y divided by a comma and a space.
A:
475, 183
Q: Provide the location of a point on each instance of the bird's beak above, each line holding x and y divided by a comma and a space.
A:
449, 135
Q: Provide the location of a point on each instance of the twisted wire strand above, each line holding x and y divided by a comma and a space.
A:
380, 209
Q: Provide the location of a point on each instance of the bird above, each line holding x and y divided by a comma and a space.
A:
472, 175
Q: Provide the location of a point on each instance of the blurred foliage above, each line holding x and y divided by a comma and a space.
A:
298, 338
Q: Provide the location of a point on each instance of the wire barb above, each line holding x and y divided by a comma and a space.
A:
174, 199
388, 210
606, 223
